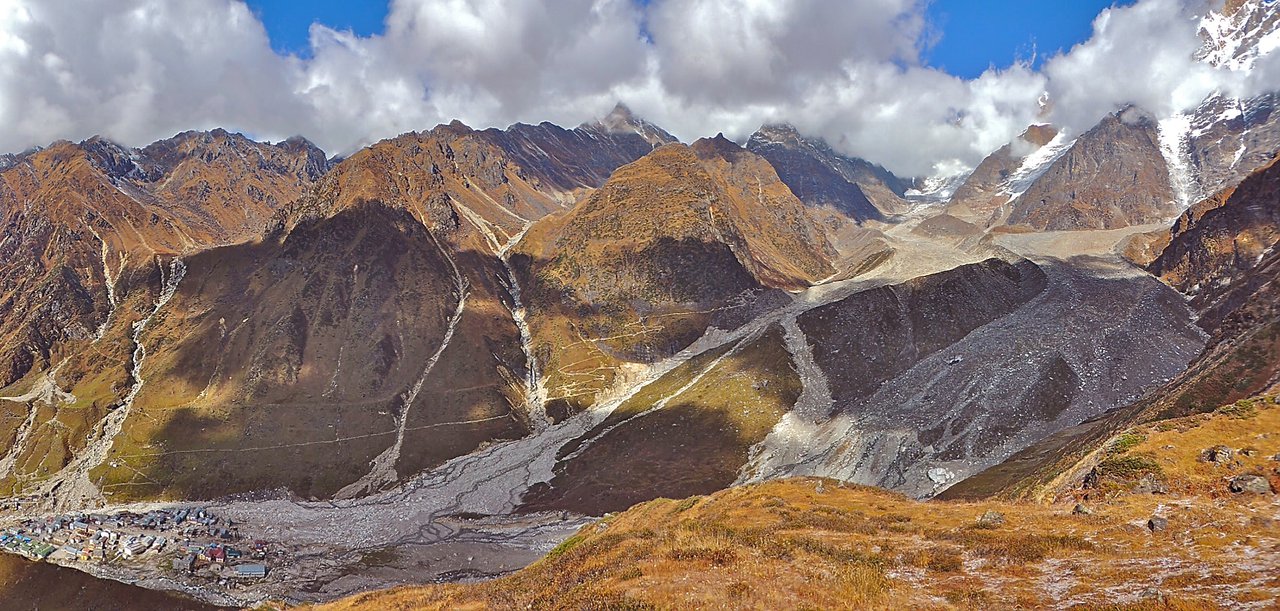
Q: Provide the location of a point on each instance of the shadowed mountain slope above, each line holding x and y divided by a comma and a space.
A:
820, 177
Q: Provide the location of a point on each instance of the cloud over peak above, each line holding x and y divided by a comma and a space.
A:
139, 70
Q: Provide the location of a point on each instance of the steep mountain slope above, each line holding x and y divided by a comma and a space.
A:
684, 238
1223, 237
821, 177
1225, 138
93, 235
1222, 252
78, 218
370, 335
998, 178
1113, 176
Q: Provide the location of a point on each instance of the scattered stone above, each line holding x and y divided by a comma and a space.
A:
1254, 484
1154, 595
991, 519
1248, 451
939, 475
1276, 458
1081, 510
1150, 485
1218, 455
820, 488
1157, 523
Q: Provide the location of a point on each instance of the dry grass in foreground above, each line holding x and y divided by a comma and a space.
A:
820, 544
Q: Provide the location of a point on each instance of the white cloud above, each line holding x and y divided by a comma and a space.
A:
138, 70
1143, 55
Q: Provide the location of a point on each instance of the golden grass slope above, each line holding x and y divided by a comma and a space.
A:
820, 544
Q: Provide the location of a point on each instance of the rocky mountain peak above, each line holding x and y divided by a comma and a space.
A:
776, 132
718, 146
1040, 134
981, 197
822, 177
621, 121
1241, 32
1131, 116
620, 117
1115, 175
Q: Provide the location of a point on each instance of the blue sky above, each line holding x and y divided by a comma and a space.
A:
287, 21
979, 33
974, 34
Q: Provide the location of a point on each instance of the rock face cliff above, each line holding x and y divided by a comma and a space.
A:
1223, 254
821, 177
1223, 238
1113, 176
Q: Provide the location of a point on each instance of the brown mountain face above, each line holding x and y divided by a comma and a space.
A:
300, 360
81, 218
453, 177
92, 233
371, 330
1223, 237
685, 238
1113, 176
821, 177
369, 336
980, 196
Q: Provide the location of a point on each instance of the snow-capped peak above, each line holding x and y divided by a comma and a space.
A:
1238, 35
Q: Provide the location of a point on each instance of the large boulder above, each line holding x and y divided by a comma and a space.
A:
1252, 484
1218, 455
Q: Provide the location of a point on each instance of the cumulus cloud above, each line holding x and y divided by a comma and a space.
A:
1144, 55
138, 70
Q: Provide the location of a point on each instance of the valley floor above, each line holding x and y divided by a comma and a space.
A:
456, 522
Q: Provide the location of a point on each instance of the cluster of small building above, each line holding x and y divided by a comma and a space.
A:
202, 542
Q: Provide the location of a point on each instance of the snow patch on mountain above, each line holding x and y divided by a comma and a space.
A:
1036, 164
1175, 146
1236, 41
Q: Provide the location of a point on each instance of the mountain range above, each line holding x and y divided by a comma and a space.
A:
453, 348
